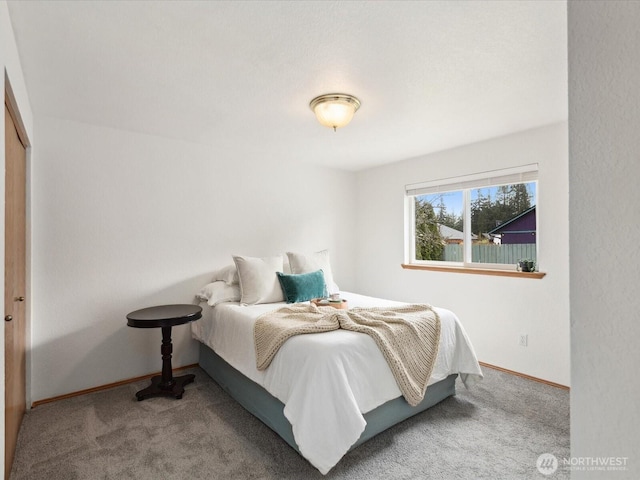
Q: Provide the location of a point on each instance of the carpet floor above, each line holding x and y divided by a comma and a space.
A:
496, 430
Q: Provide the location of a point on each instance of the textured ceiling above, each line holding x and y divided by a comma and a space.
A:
240, 75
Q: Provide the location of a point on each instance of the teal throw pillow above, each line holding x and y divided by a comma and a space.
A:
301, 287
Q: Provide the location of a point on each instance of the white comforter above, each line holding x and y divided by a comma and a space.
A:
327, 381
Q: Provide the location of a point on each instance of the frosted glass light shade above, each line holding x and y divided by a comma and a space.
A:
334, 110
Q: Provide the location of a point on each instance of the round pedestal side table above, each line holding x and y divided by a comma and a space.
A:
165, 317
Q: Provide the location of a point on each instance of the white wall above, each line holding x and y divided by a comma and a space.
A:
604, 132
494, 310
11, 71
124, 221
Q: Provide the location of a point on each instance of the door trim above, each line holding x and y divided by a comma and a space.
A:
14, 111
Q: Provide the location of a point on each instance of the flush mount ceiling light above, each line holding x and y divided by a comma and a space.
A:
334, 109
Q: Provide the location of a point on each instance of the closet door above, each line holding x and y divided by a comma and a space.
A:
14, 287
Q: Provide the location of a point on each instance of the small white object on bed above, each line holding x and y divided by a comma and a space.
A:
326, 381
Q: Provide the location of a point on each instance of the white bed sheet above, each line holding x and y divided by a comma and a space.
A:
327, 381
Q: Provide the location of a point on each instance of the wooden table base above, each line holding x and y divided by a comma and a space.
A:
166, 384
158, 388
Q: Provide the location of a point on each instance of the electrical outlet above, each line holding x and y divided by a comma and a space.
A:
524, 340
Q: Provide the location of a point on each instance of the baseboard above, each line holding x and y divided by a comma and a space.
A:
105, 387
523, 375
145, 377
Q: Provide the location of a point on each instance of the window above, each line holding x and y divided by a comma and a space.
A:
486, 220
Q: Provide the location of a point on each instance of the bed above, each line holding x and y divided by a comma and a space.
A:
324, 394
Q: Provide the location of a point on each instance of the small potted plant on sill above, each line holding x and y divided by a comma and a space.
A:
527, 266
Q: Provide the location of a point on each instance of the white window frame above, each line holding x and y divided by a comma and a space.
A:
466, 183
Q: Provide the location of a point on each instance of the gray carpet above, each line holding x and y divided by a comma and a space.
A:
495, 430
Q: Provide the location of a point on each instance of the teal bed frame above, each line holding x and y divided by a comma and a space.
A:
269, 409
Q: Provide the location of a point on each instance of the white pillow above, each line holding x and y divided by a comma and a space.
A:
228, 275
258, 280
218, 292
310, 262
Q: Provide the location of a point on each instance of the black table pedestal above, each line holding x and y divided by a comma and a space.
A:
166, 384
175, 390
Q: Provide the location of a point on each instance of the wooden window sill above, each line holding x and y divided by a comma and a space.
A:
475, 271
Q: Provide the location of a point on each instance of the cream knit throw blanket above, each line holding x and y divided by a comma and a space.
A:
408, 337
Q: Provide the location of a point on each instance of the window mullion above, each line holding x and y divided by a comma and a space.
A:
410, 209
466, 229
